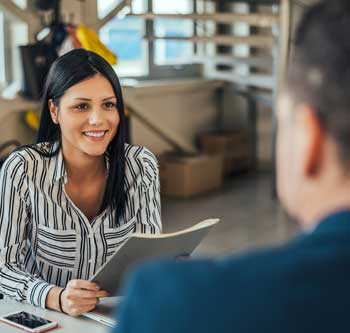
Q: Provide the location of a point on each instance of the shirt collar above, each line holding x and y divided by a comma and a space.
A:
59, 171
339, 220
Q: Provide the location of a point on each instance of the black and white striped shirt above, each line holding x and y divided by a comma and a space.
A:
45, 240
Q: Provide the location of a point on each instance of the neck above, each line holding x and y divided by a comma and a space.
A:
325, 202
82, 167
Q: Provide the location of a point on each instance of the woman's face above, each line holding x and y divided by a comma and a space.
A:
88, 116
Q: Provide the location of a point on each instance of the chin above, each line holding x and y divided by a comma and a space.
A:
95, 152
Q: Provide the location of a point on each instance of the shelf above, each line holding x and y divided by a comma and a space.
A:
261, 62
259, 20
255, 80
254, 41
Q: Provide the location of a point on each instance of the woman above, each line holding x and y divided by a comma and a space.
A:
68, 202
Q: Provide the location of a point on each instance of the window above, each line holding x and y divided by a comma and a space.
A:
206, 28
104, 7
13, 33
173, 51
2, 51
20, 3
124, 36
241, 29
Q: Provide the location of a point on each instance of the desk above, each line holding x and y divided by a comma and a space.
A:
67, 324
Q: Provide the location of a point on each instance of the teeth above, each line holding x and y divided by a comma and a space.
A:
95, 134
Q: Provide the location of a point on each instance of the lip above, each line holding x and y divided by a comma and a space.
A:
94, 138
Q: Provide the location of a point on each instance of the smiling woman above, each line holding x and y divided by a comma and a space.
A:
69, 202
88, 122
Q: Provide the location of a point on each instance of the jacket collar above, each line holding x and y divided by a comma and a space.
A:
339, 220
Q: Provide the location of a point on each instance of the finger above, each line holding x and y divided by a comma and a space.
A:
73, 306
76, 311
82, 284
87, 302
102, 293
83, 301
82, 293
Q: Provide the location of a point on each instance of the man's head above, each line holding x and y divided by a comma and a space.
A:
313, 144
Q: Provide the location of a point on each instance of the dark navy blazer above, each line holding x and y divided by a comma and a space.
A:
303, 286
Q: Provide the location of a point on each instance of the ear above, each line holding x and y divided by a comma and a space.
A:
314, 135
53, 111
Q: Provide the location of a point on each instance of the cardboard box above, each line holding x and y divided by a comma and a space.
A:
232, 145
188, 175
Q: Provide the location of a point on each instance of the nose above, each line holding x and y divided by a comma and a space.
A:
95, 118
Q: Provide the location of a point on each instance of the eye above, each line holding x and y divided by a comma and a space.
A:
82, 106
109, 105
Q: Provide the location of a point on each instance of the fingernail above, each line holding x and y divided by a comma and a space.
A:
97, 287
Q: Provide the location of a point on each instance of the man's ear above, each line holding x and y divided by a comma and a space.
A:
53, 111
314, 135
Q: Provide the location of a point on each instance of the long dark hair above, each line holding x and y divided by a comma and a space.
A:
68, 70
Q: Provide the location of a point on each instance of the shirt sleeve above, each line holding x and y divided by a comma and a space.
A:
15, 225
149, 214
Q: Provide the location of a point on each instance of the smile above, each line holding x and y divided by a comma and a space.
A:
95, 134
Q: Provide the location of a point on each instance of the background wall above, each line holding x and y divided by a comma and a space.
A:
184, 109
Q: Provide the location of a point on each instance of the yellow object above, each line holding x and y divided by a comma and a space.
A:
32, 119
90, 41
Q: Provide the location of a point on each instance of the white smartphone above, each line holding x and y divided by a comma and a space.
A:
28, 322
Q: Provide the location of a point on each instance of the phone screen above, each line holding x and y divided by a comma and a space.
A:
27, 320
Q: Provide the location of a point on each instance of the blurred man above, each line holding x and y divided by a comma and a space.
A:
303, 286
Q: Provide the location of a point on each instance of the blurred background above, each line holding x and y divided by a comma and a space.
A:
199, 80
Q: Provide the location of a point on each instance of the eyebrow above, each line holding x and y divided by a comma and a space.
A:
88, 99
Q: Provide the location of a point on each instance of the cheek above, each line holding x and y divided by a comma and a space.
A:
65, 122
114, 121
70, 125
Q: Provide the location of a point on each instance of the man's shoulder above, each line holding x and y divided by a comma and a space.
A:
195, 291
207, 295
198, 277
220, 295
265, 271
261, 259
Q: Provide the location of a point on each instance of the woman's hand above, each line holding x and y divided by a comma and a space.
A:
80, 296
